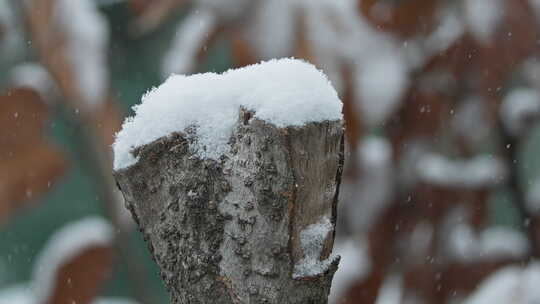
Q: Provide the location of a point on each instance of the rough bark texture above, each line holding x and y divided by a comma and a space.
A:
228, 231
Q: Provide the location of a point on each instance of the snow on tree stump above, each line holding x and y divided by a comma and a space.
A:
247, 217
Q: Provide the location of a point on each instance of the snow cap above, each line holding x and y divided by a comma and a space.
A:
283, 92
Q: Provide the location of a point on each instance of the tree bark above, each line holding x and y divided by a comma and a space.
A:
234, 230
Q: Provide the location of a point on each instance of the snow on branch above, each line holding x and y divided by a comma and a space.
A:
33, 76
491, 243
518, 108
86, 36
66, 244
480, 171
512, 284
483, 17
355, 264
192, 33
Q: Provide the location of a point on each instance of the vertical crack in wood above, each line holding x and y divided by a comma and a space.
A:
339, 174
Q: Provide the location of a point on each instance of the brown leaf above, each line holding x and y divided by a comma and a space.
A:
534, 233
242, 52
74, 262
150, 17
491, 64
139, 6
405, 18
422, 115
28, 164
106, 121
22, 117
365, 290
302, 47
52, 42
464, 278
456, 58
27, 175
78, 280
515, 40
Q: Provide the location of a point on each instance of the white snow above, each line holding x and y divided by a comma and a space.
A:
381, 84
446, 33
364, 198
11, 37
269, 36
530, 71
419, 241
379, 66
312, 241
483, 17
375, 152
67, 243
335, 35
353, 265
517, 107
461, 243
503, 242
327, 29
535, 4
34, 76
284, 92
494, 242
16, 294
391, 291
470, 121
188, 40
87, 35
479, 171
6, 20
512, 284
413, 151
5, 17
532, 197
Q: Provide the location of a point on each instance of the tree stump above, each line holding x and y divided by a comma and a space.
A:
255, 226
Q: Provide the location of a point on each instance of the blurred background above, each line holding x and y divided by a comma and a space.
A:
440, 198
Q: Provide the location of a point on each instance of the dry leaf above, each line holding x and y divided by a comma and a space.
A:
150, 17
106, 121
74, 56
22, 117
78, 280
405, 18
28, 164
74, 263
